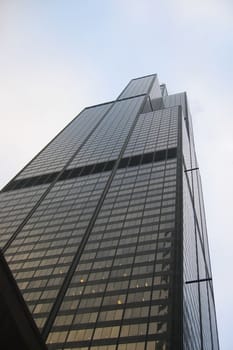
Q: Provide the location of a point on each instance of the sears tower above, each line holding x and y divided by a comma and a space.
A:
104, 230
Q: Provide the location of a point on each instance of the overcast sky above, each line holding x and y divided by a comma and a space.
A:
56, 57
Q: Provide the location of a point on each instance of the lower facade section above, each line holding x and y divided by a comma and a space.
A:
120, 294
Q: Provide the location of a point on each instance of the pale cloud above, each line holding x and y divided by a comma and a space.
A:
217, 12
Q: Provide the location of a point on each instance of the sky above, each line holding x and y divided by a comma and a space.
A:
58, 56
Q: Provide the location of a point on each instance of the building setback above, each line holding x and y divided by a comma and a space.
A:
104, 230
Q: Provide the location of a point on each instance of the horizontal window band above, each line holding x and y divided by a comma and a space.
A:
187, 170
92, 169
122, 340
111, 323
199, 281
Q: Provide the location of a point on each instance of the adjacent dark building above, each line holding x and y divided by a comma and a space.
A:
104, 230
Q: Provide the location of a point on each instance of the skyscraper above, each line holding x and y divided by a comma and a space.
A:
105, 233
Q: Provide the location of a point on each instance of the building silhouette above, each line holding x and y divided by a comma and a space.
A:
104, 230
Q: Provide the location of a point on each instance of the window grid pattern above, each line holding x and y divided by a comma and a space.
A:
107, 140
42, 252
137, 87
14, 207
154, 131
155, 91
120, 290
199, 320
175, 100
57, 153
192, 335
91, 169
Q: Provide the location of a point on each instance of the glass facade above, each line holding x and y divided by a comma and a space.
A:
104, 230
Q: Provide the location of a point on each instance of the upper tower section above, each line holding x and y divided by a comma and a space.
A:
148, 84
